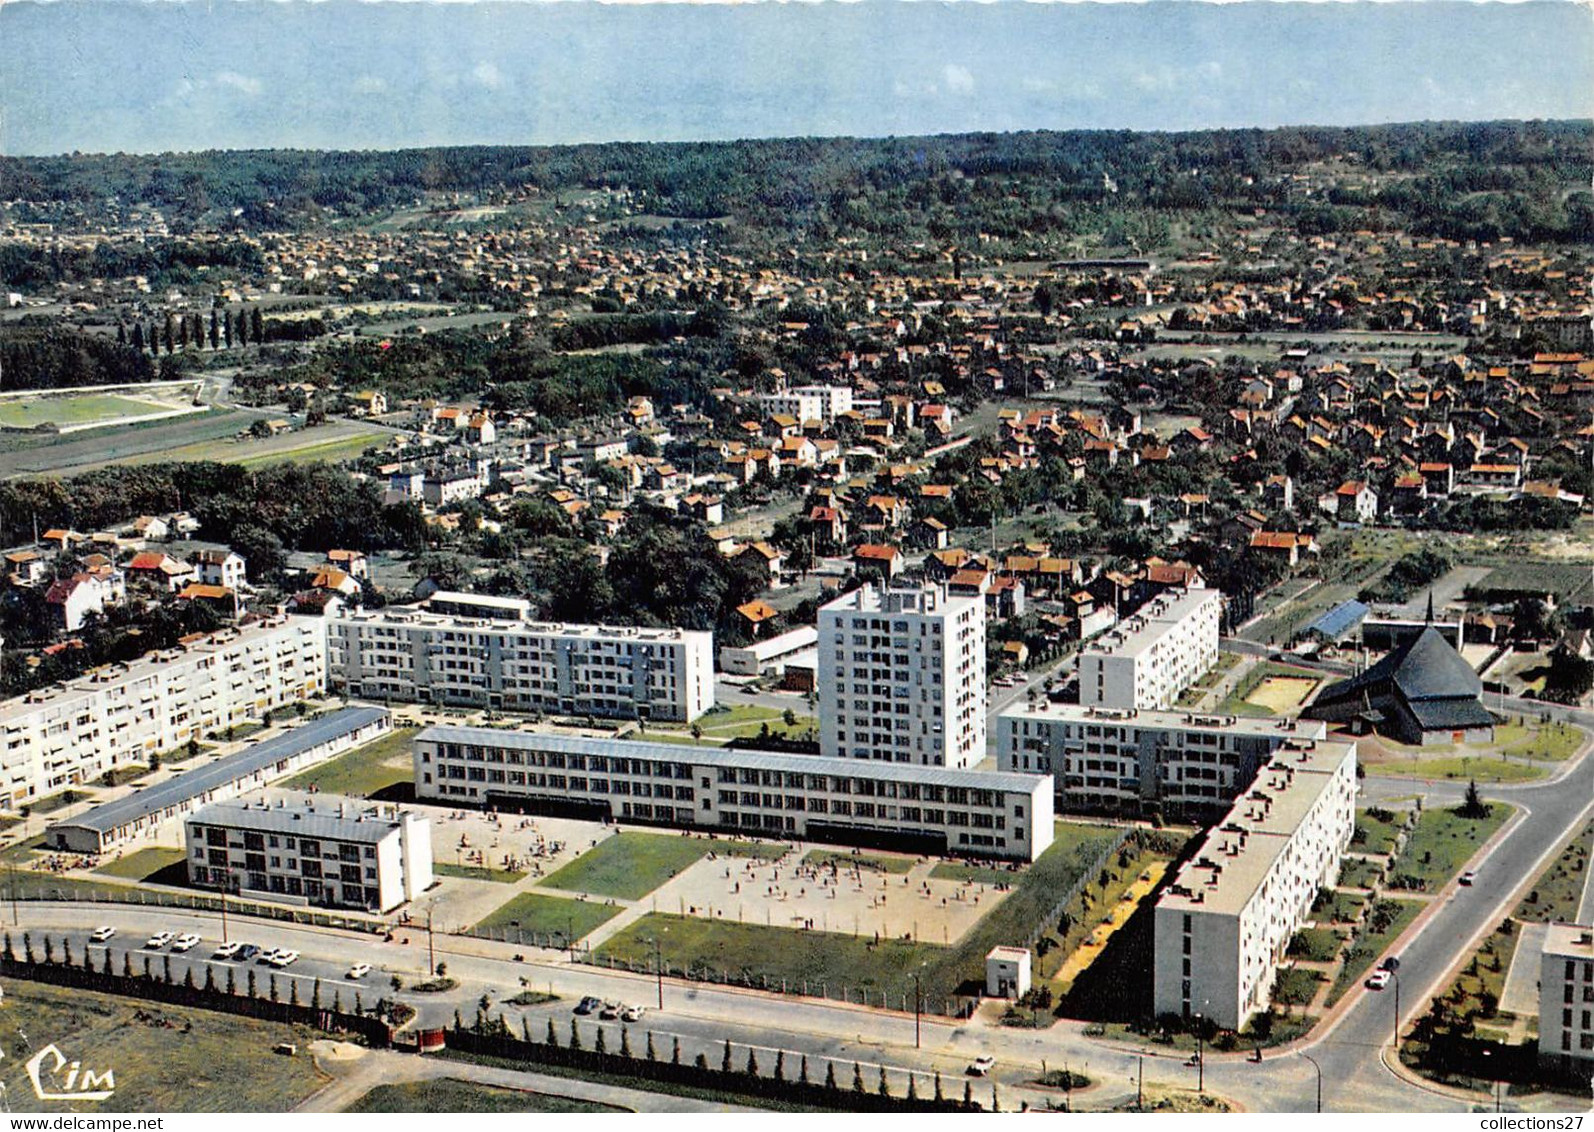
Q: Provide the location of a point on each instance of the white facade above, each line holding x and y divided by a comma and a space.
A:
1007, 972
1149, 659
1566, 998
928, 810
902, 677
810, 402
598, 670
1223, 924
1124, 762
74, 732
768, 655
221, 568
297, 851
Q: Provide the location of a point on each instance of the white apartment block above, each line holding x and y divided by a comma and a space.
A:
296, 850
822, 403
423, 657
1223, 924
801, 797
1566, 998
1183, 765
74, 732
1153, 656
902, 676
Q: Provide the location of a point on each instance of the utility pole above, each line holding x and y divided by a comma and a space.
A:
431, 953
1140, 1084
226, 883
658, 970
917, 1004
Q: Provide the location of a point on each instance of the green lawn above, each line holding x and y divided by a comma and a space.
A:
1441, 843
1552, 742
1356, 873
688, 943
1321, 945
535, 912
1390, 917
165, 1058
1555, 896
1340, 908
477, 872
1376, 830
824, 858
1483, 768
451, 1095
121, 775
979, 874
1296, 986
144, 864
379, 765
30, 412
631, 865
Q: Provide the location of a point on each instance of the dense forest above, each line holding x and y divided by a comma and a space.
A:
1472, 180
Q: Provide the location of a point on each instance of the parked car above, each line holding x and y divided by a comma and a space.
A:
284, 958
359, 970
1468, 877
269, 955
185, 942
610, 1011
633, 1013
101, 934
981, 1066
226, 950
159, 939
246, 952
1378, 980
588, 1004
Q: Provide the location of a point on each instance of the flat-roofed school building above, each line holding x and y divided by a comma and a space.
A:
106, 826
931, 810
303, 851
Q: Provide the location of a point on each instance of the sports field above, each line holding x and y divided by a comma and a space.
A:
1282, 694
30, 412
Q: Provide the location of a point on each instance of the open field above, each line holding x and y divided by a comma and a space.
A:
29, 454
535, 912
631, 865
145, 864
783, 956
452, 1095
1458, 767
1282, 694
165, 1058
477, 872
341, 441
1440, 844
364, 771
30, 412
1376, 830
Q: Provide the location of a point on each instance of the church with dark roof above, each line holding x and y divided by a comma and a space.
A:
1422, 692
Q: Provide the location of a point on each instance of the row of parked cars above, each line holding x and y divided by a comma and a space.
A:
233, 950
610, 1010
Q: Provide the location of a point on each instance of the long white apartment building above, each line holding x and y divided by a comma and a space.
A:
933, 810
421, 656
300, 850
1566, 999
1182, 765
902, 676
1148, 659
123, 713
822, 403
1223, 924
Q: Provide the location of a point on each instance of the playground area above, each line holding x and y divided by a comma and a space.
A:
1283, 695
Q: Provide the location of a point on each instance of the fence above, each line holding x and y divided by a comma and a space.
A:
749, 1081
1049, 921
198, 902
375, 1031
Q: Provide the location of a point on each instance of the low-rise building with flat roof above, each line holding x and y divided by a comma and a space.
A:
313, 852
115, 823
924, 809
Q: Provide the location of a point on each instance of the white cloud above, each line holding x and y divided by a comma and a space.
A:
238, 82
488, 75
958, 79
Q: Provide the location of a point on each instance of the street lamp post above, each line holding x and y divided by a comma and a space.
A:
658, 970
1395, 976
1200, 1059
1140, 1083
1319, 1069
917, 1003
431, 950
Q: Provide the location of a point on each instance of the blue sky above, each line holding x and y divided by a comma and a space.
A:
139, 76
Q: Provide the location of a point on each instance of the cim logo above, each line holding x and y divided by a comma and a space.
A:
57, 1079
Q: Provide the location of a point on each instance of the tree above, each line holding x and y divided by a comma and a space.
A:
256, 326
725, 1060
553, 1035
857, 1077
215, 331
1473, 806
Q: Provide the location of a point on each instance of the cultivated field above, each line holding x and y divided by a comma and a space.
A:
88, 409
